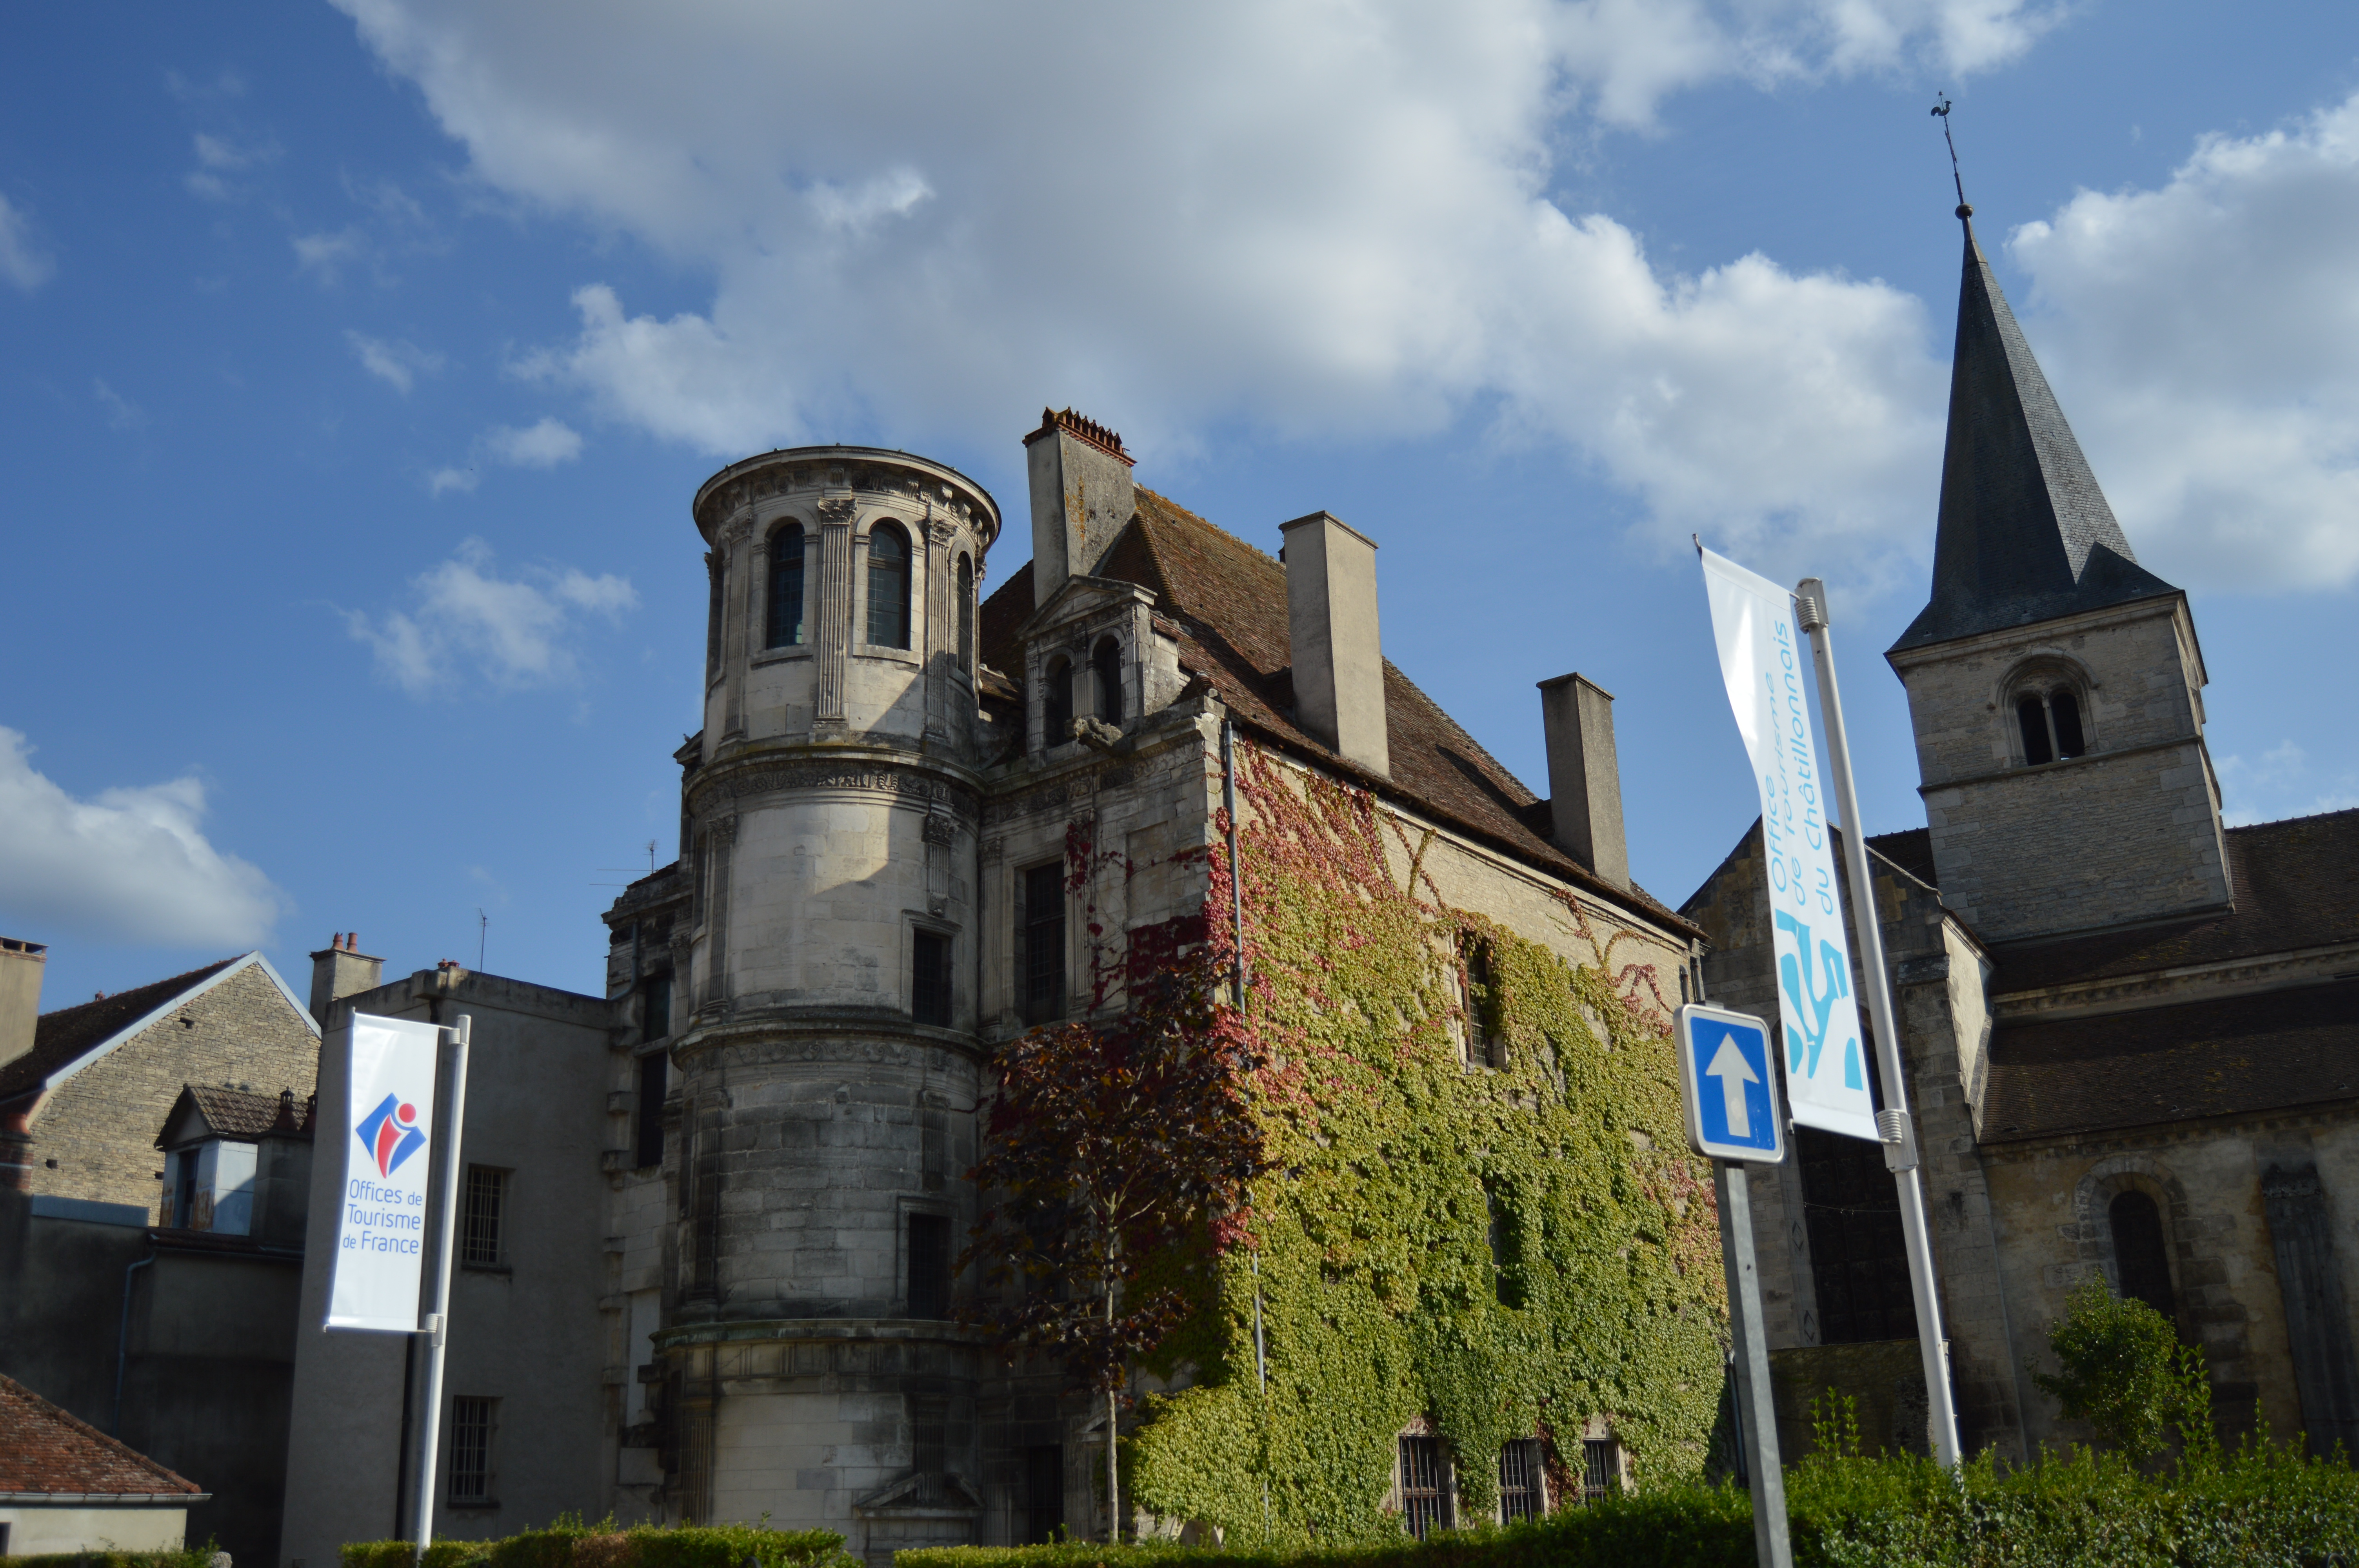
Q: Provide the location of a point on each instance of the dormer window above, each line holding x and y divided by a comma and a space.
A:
1057, 702
2051, 723
1106, 680
787, 586
210, 1186
888, 587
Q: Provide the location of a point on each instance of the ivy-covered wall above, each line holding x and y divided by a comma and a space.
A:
1370, 1247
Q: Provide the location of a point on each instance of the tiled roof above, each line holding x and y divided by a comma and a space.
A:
63, 1035
2025, 535
234, 1113
45, 1450
2297, 885
2223, 1057
1225, 602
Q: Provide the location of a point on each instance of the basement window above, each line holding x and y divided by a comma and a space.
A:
1522, 1490
1424, 1487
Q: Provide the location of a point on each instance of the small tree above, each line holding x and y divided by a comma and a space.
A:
2122, 1371
1108, 1148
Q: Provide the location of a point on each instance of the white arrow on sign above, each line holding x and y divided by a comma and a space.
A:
1729, 1065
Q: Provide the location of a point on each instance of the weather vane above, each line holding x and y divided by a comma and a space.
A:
1942, 112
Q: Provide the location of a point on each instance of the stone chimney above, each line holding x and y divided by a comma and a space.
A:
1330, 619
340, 970
1585, 779
1082, 497
21, 964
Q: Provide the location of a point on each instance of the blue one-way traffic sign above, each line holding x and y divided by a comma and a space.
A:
1729, 1087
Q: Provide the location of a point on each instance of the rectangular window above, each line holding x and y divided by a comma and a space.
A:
654, 1082
1044, 1494
929, 1266
1043, 918
929, 978
1424, 1485
1601, 1468
655, 1016
471, 1450
1520, 1487
479, 1221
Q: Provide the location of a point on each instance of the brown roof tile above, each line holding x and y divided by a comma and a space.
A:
2223, 1057
43, 1449
60, 1036
2297, 885
234, 1113
1226, 601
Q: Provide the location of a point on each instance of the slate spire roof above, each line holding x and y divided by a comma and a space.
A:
2024, 532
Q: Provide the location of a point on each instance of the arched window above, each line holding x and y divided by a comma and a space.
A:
1105, 677
2141, 1258
2051, 723
888, 587
787, 586
966, 614
719, 574
1057, 702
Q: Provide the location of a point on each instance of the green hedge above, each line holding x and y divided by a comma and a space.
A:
2080, 1510
189, 1557
570, 1544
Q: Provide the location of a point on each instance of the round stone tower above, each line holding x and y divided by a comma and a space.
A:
824, 1039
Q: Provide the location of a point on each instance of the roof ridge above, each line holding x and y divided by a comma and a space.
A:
169, 986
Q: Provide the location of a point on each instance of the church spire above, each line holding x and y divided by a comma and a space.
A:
2025, 533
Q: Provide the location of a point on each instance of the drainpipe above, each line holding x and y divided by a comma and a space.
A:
122, 1340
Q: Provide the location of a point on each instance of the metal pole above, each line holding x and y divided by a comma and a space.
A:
1758, 1413
1893, 1120
453, 1113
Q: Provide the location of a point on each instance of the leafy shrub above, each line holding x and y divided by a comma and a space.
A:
567, 1542
191, 1557
2122, 1371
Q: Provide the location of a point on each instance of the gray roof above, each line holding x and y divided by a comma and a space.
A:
2024, 532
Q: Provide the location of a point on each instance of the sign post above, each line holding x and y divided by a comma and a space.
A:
436, 1320
1729, 1090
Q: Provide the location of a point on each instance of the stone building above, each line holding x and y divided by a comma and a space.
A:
2129, 1028
736, 1183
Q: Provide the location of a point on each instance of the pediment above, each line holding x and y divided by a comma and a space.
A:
1079, 598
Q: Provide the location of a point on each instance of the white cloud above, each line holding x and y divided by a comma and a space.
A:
122, 413
218, 157
1319, 219
2204, 339
328, 253
22, 262
2281, 785
469, 622
541, 446
127, 865
397, 364
443, 481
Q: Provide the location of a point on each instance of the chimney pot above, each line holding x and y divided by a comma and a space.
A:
341, 971
21, 965
1584, 778
1331, 620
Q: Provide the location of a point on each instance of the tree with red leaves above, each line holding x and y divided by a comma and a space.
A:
1111, 1147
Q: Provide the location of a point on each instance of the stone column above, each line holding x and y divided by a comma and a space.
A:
733, 634
941, 624
834, 608
721, 841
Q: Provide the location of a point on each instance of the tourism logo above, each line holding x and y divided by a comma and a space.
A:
390, 1133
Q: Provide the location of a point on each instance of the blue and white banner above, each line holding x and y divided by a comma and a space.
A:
380, 1236
1769, 674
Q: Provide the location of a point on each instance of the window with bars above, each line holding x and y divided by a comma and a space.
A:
888, 587
1044, 1493
2051, 723
929, 1266
471, 1449
479, 1221
1523, 1489
1043, 918
1601, 1468
1486, 1046
1424, 1487
654, 1082
786, 629
1858, 1257
929, 978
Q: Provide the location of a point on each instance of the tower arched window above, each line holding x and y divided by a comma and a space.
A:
2141, 1259
787, 586
1105, 679
2051, 723
966, 613
888, 587
717, 572
1057, 702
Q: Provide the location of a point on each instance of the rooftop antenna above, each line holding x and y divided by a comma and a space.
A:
651, 857
482, 936
1942, 112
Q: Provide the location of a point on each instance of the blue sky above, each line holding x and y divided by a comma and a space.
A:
357, 364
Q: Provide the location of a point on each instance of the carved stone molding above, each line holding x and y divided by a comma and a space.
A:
940, 828
836, 509
907, 783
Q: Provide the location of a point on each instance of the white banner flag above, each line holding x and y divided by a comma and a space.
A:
380, 1238
1768, 677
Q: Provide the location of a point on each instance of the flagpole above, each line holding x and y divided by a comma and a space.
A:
452, 1115
1893, 1122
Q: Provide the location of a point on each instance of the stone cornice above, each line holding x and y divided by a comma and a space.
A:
2048, 770
922, 484
775, 773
